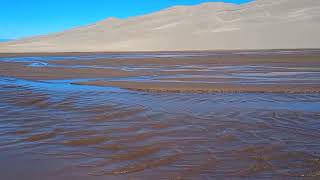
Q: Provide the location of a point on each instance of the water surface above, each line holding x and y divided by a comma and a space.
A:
52, 129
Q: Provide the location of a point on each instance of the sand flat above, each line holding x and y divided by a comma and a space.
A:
220, 71
210, 71
207, 87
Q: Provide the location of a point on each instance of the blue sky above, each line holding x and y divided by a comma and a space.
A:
21, 18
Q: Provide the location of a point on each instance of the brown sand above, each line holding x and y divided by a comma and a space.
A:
20, 70
206, 87
200, 77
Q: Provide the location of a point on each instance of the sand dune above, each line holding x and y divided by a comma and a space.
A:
261, 24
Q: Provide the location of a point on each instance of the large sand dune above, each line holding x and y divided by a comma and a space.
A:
261, 24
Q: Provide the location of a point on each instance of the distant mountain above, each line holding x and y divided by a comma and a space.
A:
261, 24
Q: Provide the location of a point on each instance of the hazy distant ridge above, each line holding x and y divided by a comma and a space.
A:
262, 24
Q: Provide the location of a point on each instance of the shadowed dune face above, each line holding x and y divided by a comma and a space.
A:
52, 129
261, 24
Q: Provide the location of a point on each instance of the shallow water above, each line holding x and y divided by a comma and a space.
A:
56, 130
97, 133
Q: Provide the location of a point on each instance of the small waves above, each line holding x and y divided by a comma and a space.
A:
125, 134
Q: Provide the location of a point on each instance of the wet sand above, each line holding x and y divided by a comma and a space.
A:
71, 131
294, 71
181, 86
